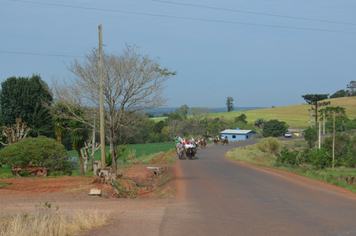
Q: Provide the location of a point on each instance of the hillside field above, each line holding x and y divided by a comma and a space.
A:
296, 116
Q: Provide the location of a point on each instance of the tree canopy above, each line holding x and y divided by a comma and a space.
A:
274, 128
230, 104
24, 98
314, 99
131, 83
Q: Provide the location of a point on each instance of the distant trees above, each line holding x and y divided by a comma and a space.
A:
24, 98
182, 111
314, 99
274, 128
198, 113
230, 104
346, 93
340, 93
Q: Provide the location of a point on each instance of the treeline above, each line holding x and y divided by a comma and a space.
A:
28, 98
346, 93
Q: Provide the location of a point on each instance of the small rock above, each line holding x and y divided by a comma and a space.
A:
95, 192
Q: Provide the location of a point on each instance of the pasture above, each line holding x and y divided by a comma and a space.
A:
296, 116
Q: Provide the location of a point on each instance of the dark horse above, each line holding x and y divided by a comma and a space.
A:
224, 141
203, 143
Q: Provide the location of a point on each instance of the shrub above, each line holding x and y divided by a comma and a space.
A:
274, 128
269, 145
320, 158
311, 136
290, 158
39, 151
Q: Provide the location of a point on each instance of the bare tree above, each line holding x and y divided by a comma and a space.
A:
131, 83
198, 113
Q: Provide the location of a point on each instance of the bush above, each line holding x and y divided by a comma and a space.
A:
39, 151
274, 128
269, 145
320, 158
289, 158
311, 136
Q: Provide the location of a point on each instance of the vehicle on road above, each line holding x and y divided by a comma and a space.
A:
288, 135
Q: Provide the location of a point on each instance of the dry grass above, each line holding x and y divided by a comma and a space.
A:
48, 222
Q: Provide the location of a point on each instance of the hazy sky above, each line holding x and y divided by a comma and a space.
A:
217, 49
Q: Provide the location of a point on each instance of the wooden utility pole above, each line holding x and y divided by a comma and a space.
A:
333, 139
93, 147
319, 135
102, 130
324, 123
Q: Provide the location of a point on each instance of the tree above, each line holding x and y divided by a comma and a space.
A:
340, 111
274, 128
241, 118
230, 104
182, 111
24, 98
311, 136
198, 113
352, 86
260, 122
340, 94
314, 99
131, 83
16, 133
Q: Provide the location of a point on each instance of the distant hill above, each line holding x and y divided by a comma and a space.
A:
295, 116
157, 112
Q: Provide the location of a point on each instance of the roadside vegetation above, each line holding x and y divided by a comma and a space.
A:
298, 157
47, 221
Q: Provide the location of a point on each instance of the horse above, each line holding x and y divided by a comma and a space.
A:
216, 140
203, 143
225, 141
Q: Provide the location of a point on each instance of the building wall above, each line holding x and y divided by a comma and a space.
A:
237, 137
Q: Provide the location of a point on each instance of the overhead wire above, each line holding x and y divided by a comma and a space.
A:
39, 54
255, 13
188, 18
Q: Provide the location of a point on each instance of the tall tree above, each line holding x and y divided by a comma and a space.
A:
131, 83
182, 111
314, 99
24, 98
230, 104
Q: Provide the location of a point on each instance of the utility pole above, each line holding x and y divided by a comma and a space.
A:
93, 147
324, 123
333, 140
102, 131
319, 135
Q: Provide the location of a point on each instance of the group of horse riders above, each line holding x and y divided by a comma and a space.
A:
181, 142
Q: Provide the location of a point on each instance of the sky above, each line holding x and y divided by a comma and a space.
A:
261, 53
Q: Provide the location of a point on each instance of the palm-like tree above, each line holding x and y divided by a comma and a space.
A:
79, 135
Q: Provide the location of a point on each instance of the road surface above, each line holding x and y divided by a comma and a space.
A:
222, 197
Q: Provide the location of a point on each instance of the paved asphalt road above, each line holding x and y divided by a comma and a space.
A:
231, 198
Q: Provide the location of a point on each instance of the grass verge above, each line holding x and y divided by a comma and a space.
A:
49, 222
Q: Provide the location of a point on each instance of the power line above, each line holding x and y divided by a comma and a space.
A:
256, 13
190, 18
39, 54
